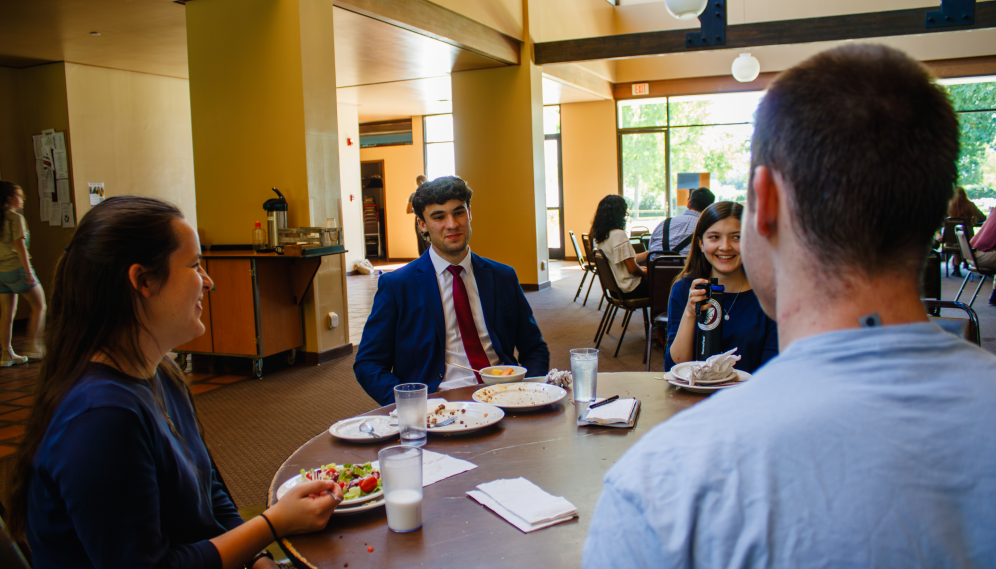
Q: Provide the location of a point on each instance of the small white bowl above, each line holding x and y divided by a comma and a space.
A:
520, 372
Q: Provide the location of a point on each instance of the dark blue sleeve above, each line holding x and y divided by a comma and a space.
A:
675, 308
533, 353
224, 509
374, 363
107, 478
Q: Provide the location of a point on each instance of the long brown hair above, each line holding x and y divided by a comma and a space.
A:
7, 191
962, 207
696, 265
94, 309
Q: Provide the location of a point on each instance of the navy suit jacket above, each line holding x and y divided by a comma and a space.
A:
404, 338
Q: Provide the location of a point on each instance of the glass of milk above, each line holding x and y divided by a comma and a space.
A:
410, 400
401, 473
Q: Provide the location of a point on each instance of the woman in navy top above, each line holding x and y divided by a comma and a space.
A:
715, 254
112, 471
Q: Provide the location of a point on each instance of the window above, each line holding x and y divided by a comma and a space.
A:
974, 100
661, 138
439, 160
554, 182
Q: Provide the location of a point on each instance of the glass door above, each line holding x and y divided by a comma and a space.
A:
554, 182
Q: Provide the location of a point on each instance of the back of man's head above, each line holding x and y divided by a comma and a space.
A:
440, 191
866, 143
700, 199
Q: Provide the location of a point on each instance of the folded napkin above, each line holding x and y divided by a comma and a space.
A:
715, 368
619, 411
436, 467
524, 504
430, 406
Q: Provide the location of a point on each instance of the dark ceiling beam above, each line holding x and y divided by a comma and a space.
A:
436, 22
785, 32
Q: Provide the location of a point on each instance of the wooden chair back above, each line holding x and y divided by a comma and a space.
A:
967, 253
638, 230
586, 241
577, 251
605, 276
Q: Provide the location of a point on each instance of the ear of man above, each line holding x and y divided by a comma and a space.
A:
767, 200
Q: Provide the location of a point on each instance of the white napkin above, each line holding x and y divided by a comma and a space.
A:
436, 467
618, 411
523, 504
430, 406
715, 368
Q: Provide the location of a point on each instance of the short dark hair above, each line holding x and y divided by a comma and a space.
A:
700, 199
440, 191
867, 143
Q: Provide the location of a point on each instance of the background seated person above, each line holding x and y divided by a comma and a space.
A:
681, 228
985, 248
608, 235
715, 254
448, 306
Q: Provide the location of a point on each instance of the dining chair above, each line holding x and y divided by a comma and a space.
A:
615, 301
930, 279
638, 230
968, 255
949, 240
637, 244
661, 272
585, 267
967, 328
586, 241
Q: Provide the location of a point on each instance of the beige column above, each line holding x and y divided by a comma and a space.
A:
498, 139
264, 115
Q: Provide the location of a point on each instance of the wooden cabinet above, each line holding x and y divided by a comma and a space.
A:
254, 308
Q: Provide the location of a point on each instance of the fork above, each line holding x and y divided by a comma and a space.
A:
444, 422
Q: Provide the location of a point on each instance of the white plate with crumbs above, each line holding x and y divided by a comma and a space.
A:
520, 396
470, 417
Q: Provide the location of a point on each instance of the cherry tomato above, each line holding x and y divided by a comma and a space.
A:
342, 485
368, 484
370, 549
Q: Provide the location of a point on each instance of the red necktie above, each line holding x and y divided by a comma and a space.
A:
465, 320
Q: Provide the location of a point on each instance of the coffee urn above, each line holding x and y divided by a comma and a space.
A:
276, 218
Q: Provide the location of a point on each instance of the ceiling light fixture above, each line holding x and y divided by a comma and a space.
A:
685, 9
746, 68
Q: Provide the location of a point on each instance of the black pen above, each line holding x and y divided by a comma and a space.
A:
603, 402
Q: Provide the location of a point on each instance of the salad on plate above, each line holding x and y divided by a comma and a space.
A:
359, 482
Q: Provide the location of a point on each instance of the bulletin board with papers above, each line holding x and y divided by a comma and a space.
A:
54, 189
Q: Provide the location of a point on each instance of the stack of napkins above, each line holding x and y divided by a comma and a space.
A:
619, 411
524, 504
436, 467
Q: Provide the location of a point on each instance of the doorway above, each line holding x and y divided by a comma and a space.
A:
374, 220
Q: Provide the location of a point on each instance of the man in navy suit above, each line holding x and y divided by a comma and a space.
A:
449, 306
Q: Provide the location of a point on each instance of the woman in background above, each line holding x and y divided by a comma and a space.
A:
17, 278
608, 235
964, 208
715, 254
112, 471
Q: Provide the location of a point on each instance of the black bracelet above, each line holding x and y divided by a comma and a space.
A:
272, 530
259, 556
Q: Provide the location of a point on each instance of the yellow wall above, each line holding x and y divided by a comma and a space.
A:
588, 135
502, 15
131, 131
401, 165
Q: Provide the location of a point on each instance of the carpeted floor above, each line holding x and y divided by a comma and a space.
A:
252, 426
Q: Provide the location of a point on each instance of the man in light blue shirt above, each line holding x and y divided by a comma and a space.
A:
681, 228
870, 441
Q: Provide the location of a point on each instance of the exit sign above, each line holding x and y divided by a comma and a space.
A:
641, 88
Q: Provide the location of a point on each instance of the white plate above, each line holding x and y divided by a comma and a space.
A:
477, 417
742, 376
349, 429
520, 396
295, 480
683, 371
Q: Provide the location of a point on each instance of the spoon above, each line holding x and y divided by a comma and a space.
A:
367, 428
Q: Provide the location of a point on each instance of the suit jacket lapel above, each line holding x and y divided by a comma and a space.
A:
430, 293
486, 288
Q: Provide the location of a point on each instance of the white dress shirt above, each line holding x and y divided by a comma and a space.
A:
455, 353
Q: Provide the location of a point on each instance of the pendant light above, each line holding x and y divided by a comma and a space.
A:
685, 9
746, 68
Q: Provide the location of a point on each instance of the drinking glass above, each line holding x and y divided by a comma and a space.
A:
410, 400
401, 473
584, 375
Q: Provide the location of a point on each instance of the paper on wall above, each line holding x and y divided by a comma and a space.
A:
60, 141
62, 189
55, 215
39, 146
45, 208
60, 164
96, 191
68, 218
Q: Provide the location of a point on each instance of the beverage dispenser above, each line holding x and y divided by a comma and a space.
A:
276, 218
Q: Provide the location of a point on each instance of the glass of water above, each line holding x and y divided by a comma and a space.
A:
584, 376
410, 401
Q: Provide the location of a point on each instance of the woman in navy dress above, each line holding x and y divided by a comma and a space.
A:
715, 254
112, 471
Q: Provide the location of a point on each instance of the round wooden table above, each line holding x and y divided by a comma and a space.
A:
544, 446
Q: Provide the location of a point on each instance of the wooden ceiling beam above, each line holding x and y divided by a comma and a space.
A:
434, 21
785, 32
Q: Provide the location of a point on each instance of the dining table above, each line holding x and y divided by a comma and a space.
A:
545, 446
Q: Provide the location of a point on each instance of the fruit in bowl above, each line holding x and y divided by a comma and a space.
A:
502, 374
